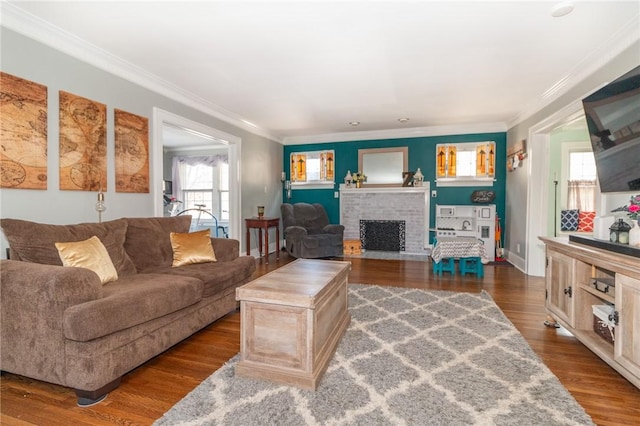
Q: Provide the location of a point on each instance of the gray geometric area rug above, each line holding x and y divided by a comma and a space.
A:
409, 357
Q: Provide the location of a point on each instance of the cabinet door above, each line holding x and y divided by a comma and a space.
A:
627, 343
560, 286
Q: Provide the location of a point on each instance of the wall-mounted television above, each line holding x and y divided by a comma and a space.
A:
613, 119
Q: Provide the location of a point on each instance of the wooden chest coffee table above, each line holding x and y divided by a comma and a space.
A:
292, 320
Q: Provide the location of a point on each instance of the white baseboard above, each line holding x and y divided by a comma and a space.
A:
516, 261
272, 249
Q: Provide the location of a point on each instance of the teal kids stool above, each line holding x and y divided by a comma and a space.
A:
471, 265
446, 264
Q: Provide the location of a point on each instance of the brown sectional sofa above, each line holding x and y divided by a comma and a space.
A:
61, 325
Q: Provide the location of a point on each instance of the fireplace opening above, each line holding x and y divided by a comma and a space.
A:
383, 235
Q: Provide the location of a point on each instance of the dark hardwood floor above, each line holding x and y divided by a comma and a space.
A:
150, 390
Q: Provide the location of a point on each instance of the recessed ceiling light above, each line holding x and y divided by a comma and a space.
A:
403, 119
562, 9
354, 123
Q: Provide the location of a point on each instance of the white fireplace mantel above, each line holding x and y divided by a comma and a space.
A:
385, 189
410, 204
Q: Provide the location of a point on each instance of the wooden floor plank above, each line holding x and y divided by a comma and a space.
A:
150, 390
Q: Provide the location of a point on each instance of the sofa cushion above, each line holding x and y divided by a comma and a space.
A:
148, 243
35, 242
194, 247
218, 276
132, 300
89, 254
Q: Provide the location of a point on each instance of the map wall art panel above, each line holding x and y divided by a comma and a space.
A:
23, 133
83, 143
131, 152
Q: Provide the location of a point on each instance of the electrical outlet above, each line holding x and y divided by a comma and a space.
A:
434, 193
336, 194
518, 248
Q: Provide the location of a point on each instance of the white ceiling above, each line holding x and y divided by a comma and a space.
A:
302, 71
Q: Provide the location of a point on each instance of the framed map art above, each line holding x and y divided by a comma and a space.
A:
83, 144
23, 133
132, 152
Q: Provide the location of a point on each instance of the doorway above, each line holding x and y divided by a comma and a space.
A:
164, 122
539, 186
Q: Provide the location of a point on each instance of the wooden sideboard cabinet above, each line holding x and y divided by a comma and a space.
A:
571, 270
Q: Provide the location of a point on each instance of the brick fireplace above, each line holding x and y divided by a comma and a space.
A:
407, 204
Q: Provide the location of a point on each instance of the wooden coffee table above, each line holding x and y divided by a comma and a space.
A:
292, 320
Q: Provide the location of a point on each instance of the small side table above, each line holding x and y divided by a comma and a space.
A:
263, 223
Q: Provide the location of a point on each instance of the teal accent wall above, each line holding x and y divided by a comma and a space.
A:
422, 153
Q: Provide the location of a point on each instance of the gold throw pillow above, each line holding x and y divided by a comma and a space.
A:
90, 254
194, 247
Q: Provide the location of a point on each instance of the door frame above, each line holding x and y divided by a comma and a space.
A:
233, 143
540, 183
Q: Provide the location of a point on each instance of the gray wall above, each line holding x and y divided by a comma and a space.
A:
261, 158
518, 211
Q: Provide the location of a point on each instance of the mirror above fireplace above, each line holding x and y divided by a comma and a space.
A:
383, 166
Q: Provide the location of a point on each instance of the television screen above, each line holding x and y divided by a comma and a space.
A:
613, 119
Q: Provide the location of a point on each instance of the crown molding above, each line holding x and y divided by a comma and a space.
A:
617, 43
18, 20
413, 132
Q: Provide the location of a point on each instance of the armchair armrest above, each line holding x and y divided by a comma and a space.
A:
294, 232
226, 249
34, 299
334, 229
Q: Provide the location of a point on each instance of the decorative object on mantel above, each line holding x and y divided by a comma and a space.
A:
358, 178
483, 196
348, 179
406, 177
418, 178
619, 232
516, 154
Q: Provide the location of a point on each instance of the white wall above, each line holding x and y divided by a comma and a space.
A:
520, 210
23, 57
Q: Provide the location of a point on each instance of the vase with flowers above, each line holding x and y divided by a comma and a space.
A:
633, 211
358, 178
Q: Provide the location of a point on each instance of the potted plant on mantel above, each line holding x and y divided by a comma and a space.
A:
358, 178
